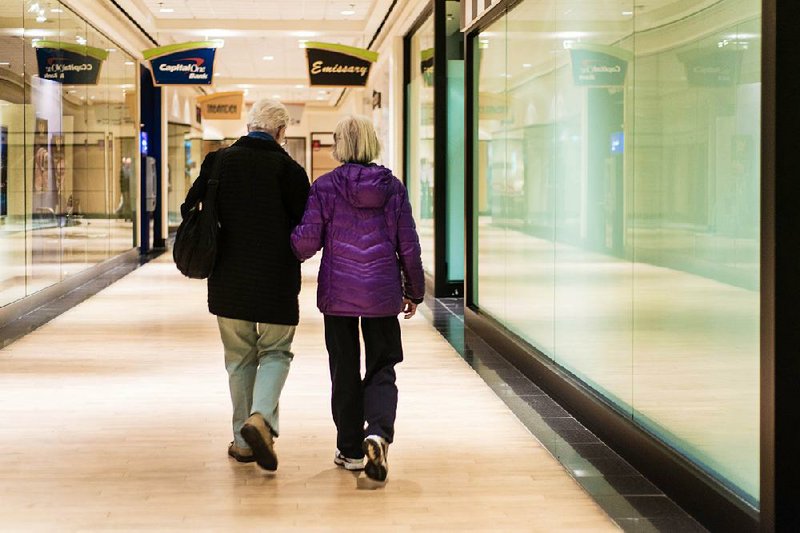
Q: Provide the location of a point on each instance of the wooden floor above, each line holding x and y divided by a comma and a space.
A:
116, 416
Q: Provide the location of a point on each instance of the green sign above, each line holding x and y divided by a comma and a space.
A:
711, 67
598, 65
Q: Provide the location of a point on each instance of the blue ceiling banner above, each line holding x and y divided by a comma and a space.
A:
183, 63
69, 63
337, 65
596, 65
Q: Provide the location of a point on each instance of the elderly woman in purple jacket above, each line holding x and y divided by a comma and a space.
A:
371, 271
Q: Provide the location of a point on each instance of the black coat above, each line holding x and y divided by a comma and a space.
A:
261, 197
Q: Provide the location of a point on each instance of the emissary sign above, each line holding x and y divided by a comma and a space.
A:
69, 63
183, 63
336, 65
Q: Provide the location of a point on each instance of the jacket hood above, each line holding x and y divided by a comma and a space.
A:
364, 186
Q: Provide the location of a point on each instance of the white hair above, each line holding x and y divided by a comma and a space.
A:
355, 140
267, 115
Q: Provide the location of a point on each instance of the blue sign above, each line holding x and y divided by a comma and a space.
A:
617, 142
143, 144
69, 63
183, 64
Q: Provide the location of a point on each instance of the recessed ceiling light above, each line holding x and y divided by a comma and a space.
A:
5, 63
129, 63
167, 10
348, 12
56, 10
267, 58
276, 96
627, 13
526, 65
299, 86
321, 98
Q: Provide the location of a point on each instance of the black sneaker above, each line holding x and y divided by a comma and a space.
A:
375, 449
258, 436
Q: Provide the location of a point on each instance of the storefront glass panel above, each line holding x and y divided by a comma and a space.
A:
420, 141
616, 190
62, 145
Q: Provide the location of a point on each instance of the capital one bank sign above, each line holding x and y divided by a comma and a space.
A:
69, 63
183, 63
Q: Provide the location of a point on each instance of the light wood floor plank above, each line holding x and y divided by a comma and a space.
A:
115, 416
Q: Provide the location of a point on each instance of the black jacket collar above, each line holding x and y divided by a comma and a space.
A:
259, 144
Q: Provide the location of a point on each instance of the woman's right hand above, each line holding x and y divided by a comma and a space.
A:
409, 308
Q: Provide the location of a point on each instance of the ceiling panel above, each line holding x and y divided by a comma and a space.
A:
241, 62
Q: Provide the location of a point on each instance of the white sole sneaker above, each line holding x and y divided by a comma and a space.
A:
375, 449
348, 463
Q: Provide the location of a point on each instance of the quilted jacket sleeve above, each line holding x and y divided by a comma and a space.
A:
295, 192
408, 250
308, 236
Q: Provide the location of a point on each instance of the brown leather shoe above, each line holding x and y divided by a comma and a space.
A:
242, 455
258, 436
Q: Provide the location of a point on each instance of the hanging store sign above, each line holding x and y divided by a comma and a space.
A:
598, 65
426, 66
336, 65
712, 67
222, 106
183, 63
69, 63
492, 106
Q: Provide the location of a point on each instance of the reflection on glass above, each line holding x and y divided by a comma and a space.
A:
62, 145
617, 198
419, 145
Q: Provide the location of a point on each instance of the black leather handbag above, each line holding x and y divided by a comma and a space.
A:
195, 248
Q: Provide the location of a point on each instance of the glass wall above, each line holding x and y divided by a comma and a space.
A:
616, 154
420, 141
182, 167
68, 147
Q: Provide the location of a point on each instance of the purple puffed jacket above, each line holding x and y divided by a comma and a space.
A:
361, 217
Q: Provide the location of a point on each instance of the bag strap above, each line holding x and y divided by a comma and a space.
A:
213, 180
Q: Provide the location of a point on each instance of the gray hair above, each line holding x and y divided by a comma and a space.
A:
267, 115
355, 140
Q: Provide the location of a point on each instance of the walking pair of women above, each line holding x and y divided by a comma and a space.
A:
371, 271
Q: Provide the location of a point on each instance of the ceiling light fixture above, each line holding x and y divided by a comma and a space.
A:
166, 10
268, 58
351, 11
56, 10
526, 65
627, 13
5, 63
129, 63
298, 86
276, 96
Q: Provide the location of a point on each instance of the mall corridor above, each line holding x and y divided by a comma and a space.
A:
115, 416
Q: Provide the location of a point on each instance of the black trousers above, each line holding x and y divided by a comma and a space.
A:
374, 399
